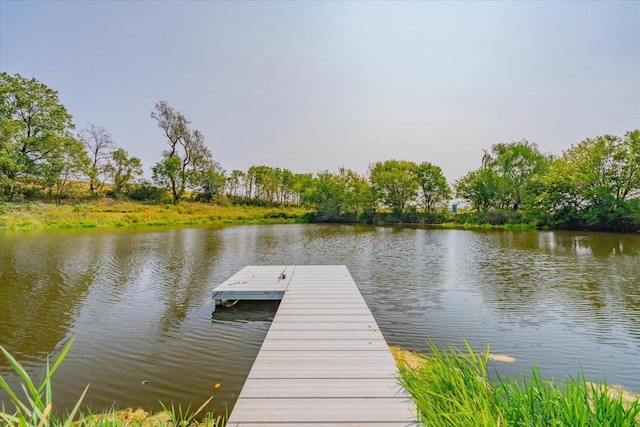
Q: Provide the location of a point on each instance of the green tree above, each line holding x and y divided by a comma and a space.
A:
234, 182
166, 174
211, 184
10, 167
434, 188
515, 166
508, 178
358, 194
302, 185
35, 131
67, 162
186, 158
394, 184
287, 186
122, 170
249, 182
327, 194
99, 145
478, 188
595, 181
557, 202
266, 182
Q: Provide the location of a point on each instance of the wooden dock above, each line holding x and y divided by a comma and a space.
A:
324, 360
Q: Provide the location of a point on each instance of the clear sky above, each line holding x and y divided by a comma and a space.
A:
311, 86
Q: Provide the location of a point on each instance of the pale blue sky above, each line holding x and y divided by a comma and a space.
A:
310, 86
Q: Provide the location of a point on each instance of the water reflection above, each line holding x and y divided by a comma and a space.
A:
43, 283
591, 281
182, 270
139, 301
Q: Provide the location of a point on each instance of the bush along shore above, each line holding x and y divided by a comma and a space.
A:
112, 213
451, 388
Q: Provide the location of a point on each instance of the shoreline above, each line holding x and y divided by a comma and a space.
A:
107, 213
111, 214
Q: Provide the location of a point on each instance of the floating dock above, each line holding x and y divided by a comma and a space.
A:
324, 360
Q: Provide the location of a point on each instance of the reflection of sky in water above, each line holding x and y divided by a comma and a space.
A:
557, 304
139, 301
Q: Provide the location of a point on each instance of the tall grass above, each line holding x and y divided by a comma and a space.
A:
111, 213
451, 388
35, 409
536, 402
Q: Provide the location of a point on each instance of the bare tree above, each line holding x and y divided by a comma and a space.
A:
173, 123
187, 159
99, 144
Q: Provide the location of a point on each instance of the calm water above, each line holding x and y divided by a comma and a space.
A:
138, 302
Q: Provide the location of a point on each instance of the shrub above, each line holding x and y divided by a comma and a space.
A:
146, 192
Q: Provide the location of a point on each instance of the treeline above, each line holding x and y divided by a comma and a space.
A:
40, 156
594, 184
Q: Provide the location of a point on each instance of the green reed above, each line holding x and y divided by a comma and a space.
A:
35, 409
451, 388
36, 406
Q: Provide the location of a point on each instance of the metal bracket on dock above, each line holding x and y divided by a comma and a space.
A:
220, 296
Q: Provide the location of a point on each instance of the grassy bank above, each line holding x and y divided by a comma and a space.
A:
451, 388
111, 213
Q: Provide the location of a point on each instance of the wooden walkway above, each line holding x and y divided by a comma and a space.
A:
324, 360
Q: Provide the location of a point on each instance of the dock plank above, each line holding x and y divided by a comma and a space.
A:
321, 387
364, 334
329, 410
324, 326
331, 318
320, 345
324, 360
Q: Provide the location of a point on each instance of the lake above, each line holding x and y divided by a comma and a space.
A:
138, 302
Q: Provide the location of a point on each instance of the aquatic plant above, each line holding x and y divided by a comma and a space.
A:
451, 388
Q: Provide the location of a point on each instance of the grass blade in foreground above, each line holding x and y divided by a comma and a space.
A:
38, 413
35, 411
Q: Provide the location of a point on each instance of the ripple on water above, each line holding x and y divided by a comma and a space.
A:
139, 302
